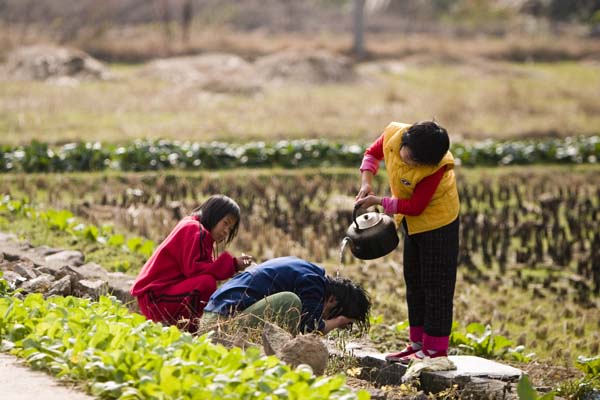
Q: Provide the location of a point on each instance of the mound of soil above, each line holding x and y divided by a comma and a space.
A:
222, 72
315, 67
216, 72
47, 62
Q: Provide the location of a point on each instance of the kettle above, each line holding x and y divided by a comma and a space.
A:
371, 235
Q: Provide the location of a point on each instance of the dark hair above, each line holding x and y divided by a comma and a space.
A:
214, 209
428, 142
352, 301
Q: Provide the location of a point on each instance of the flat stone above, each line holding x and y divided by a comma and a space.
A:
47, 250
71, 257
481, 367
92, 271
470, 370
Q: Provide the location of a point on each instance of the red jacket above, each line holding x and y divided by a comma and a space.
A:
186, 252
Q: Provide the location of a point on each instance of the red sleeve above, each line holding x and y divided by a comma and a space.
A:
196, 255
422, 194
376, 149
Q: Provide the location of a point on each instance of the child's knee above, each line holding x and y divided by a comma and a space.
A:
290, 300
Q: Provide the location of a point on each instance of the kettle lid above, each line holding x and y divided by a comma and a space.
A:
368, 220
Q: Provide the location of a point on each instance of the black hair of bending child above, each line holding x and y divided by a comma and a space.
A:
214, 209
352, 301
428, 142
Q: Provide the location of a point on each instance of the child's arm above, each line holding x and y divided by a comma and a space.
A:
222, 268
420, 198
369, 167
196, 256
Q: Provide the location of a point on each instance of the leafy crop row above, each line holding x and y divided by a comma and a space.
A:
65, 221
117, 354
143, 155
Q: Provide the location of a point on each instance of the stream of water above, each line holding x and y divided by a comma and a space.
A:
343, 245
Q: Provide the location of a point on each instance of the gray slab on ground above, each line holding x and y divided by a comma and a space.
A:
17, 382
468, 369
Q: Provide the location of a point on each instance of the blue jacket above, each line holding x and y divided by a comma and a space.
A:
284, 274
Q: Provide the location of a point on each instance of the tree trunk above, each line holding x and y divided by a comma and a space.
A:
165, 16
187, 14
359, 29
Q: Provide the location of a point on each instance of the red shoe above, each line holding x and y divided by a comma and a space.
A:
421, 354
408, 351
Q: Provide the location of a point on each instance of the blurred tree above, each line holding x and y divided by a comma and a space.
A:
358, 16
165, 16
187, 15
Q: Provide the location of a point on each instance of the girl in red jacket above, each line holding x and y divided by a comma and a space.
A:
182, 273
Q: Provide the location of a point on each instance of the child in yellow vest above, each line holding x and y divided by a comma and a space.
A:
425, 202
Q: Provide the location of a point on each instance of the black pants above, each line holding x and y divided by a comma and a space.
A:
430, 263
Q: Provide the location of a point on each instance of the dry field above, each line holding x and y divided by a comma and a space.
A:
478, 88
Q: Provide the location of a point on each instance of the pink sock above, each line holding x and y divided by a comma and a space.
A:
436, 343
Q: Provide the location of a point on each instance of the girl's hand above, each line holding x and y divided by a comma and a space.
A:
243, 262
365, 190
368, 201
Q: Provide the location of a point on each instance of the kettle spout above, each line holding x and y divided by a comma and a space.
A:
345, 242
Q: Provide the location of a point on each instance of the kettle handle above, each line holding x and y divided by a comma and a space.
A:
356, 208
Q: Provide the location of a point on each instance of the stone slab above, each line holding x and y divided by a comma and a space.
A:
469, 369
481, 367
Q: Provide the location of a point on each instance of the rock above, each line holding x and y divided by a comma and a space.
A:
61, 287
274, 338
119, 286
41, 284
46, 250
26, 269
487, 389
92, 271
71, 257
13, 278
10, 256
90, 288
305, 349
61, 271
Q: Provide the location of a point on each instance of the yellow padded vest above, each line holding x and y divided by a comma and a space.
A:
444, 205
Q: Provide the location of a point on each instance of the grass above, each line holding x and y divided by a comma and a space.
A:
474, 100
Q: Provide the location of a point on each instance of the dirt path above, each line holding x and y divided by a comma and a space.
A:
17, 382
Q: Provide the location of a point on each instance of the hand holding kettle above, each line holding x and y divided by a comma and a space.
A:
368, 201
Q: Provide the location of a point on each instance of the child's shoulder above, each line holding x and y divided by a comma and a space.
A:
188, 222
